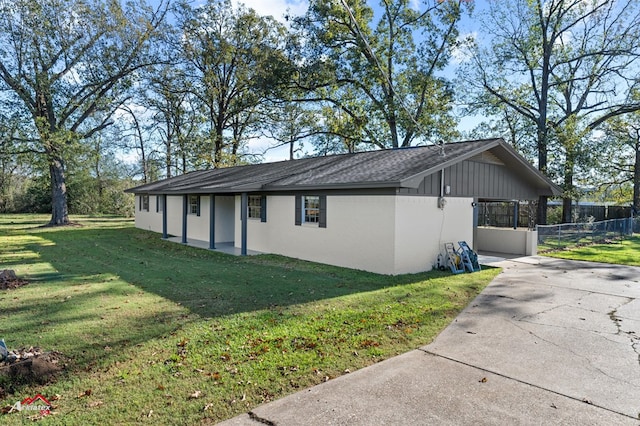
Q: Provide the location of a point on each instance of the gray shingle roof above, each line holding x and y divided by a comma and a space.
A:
401, 167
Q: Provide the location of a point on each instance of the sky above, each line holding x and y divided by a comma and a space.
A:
275, 8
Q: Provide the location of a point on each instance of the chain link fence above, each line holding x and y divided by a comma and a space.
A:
570, 234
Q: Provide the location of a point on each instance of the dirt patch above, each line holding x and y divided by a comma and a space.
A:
9, 280
29, 366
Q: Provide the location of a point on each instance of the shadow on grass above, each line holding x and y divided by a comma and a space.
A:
96, 294
208, 283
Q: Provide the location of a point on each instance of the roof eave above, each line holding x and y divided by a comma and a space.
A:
271, 188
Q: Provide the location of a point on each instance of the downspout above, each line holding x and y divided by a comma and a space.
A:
441, 200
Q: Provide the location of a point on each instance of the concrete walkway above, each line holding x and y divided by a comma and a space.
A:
547, 342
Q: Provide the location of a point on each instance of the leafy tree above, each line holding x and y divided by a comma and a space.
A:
233, 56
175, 121
387, 88
621, 161
67, 65
289, 123
566, 66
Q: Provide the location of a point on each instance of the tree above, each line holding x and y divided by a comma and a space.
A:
567, 67
175, 120
67, 64
289, 123
234, 56
622, 158
386, 87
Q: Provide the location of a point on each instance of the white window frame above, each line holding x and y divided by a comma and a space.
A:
310, 210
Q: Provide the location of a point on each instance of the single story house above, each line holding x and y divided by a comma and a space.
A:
387, 211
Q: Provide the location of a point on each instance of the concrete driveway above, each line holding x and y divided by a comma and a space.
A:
547, 342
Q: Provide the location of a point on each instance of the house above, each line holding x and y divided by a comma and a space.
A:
388, 211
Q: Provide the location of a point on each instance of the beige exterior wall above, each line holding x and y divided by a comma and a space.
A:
359, 232
422, 229
148, 220
384, 234
506, 240
174, 215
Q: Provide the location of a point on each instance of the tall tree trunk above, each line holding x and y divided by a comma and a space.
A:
567, 209
569, 190
59, 209
542, 166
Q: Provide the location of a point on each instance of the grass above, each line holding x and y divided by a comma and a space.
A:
159, 333
623, 252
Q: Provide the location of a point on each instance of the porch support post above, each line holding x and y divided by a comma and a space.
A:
244, 206
212, 221
185, 207
515, 215
164, 216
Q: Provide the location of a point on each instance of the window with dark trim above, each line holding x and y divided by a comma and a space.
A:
255, 206
194, 204
144, 203
311, 212
311, 209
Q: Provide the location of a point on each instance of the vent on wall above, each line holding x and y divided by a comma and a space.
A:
487, 157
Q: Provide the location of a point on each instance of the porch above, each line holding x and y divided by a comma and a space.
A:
227, 247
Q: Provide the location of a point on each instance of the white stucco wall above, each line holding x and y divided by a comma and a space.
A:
422, 229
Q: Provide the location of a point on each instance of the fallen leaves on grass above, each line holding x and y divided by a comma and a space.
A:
9, 280
85, 393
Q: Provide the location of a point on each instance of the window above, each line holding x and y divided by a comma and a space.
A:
144, 203
255, 206
159, 203
311, 209
194, 204
311, 212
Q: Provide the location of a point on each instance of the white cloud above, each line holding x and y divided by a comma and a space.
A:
276, 8
462, 52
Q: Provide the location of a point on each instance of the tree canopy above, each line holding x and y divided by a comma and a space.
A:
65, 66
96, 94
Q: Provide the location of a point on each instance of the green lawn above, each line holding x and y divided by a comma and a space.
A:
159, 333
623, 252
